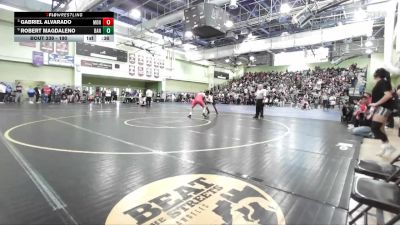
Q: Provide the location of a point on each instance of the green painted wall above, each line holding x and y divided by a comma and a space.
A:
184, 70
13, 51
153, 85
11, 71
377, 61
395, 77
111, 82
185, 86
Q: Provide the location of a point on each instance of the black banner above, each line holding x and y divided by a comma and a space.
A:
30, 15
18, 22
100, 51
98, 65
221, 75
52, 30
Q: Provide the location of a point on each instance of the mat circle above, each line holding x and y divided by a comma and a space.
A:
128, 123
146, 150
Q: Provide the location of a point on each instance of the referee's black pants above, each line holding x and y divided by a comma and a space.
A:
148, 101
259, 108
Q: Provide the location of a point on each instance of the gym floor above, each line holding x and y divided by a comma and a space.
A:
81, 164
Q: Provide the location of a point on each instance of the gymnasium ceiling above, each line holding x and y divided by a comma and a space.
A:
262, 18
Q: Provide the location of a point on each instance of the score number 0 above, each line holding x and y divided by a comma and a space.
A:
108, 22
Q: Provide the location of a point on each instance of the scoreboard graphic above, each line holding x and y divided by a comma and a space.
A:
63, 26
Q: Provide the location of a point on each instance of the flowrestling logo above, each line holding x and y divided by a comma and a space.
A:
197, 199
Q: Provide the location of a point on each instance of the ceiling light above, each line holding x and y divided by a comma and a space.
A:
368, 43
368, 51
360, 15
251, 58
233, 4
188, 34
284, 34
229, 23
227, 60
10, 8
135, 14
285, 8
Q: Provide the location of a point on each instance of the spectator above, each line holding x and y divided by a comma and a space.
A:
37, 94
108, 95
69, 92
149, 95
383, 105
3, 89
31, 95
7, 97
18, 93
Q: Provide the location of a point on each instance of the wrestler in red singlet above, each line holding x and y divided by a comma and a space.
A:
199, 100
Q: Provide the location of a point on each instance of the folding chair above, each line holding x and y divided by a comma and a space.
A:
379, 171
376, 194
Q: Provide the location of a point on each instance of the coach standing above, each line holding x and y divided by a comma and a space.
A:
18, 93
260, 95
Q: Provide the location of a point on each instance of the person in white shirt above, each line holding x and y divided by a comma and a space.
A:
149, 95
332, 101
108, 96
260, 96
3, 88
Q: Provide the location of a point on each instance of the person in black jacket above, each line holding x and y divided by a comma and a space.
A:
37, 94
382, 105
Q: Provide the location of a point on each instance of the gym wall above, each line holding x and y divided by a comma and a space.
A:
106, 81
184, 86
16, 60
11, 71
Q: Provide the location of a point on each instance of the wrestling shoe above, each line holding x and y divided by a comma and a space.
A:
190, 116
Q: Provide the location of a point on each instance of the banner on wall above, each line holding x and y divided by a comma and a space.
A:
62, 48
156, 73
28, 44
149, 61
156, 62
37, 58
140, 59
140, 70
98, 65
221, 75
47, 47
132, 70
61, 60
132, 58
149, 72
161, 63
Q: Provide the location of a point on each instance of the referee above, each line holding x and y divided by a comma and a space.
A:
260, 95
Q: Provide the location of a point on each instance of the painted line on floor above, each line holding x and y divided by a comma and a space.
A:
126, 122
7, 135
197, 132
50, 195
